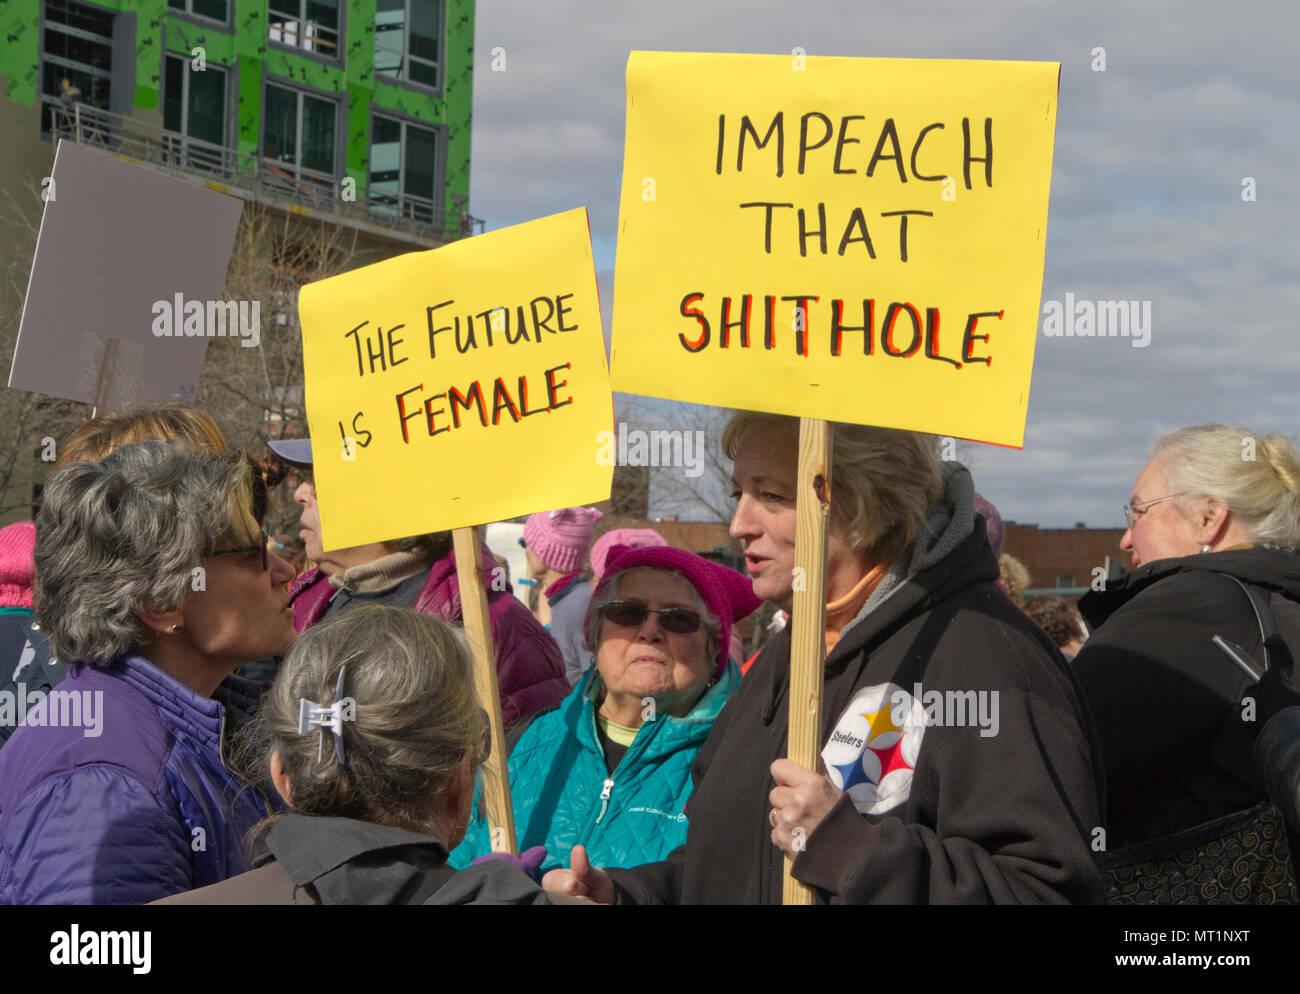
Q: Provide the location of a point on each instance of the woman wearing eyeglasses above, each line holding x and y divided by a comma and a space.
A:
153, 575
33, 669
610, 768
1216, 507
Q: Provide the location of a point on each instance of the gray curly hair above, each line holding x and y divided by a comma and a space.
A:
123, 536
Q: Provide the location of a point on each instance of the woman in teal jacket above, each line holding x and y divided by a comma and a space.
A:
610, 767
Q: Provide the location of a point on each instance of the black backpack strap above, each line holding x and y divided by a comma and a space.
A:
1263, 613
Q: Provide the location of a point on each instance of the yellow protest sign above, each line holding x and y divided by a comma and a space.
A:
457, 386
850, 239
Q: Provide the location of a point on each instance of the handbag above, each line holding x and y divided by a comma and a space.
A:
1241, 858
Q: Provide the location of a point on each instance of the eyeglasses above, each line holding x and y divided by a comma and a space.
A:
1135, 511
677, 620
266, 563
260, 499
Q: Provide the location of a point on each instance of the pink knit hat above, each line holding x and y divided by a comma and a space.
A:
633, 538
560, 538
17, 568
727, 594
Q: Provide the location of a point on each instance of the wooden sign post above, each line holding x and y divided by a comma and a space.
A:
495, 799
840, 240
452, 375
808, 619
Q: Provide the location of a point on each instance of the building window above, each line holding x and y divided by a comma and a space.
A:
194, 101
298, 139
1064, 580
403, 169
78, 50
408, 39
312, 25
217, 10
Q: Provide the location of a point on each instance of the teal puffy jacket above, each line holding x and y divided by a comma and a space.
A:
564, 795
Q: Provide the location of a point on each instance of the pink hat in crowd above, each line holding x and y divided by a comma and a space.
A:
560, 538
17, 568
727, 594
633, 538
992, 523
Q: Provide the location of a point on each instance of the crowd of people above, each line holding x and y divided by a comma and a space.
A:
190, 718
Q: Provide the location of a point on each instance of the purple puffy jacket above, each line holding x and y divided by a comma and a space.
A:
530, 666
120, 795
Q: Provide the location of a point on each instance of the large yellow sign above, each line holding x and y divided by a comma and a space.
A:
457, 386
851, 239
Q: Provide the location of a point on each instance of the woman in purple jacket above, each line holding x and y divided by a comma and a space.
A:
152, 572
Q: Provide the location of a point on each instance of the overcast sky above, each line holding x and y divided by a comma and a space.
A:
1146, 204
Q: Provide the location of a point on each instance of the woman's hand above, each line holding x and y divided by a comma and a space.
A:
581, 879
800, 800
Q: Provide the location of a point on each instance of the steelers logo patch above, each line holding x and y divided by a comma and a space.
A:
872, 749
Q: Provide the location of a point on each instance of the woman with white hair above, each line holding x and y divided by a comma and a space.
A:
1213, 528
154, 581
957, 762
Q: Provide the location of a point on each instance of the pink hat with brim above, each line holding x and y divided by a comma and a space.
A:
727, 594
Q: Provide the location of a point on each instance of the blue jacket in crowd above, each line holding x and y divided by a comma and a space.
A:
120, 794
564, 795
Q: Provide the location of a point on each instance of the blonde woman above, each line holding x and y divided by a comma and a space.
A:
911, 802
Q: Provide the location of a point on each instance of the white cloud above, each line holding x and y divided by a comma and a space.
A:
1146, 192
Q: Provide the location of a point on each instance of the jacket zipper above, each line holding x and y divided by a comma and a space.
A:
608, 785
604, 798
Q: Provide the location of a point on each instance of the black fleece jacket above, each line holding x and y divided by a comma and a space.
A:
1177, 741
1003, 818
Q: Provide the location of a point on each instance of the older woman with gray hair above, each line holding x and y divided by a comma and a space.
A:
610, 768
153, 576
1213, 528
373, 736
956, 764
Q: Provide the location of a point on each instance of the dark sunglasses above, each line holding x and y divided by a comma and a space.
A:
266, 562
677, 620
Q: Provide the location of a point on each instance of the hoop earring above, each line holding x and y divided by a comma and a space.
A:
176, 628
